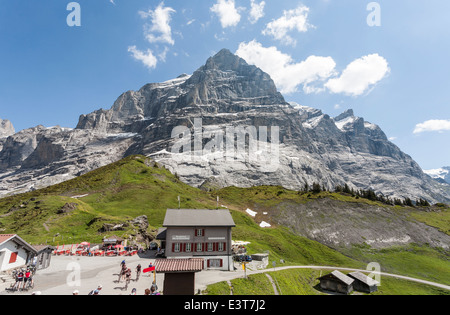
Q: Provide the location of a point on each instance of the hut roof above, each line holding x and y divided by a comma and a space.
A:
340, 276
179, 265
17, 239
363, 278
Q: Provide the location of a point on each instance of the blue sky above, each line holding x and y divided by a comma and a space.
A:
321, 53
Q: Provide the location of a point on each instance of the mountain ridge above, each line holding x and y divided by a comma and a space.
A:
224, 92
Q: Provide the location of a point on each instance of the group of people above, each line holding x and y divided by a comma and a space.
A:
151, 291
24, 277
125, 274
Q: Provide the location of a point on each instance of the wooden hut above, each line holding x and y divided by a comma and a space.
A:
337, 282
179, 274
363, 283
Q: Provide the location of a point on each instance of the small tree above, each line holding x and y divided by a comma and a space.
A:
316, 188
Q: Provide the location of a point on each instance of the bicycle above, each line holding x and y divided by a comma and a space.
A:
127, 282
29, 285
17, 285
138, 274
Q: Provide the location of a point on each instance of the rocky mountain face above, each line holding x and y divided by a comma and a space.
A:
192, 125
6, 128
339, 224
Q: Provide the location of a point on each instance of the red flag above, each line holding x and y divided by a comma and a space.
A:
150, 269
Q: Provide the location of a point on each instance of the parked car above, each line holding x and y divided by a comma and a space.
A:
243, 258
153, 246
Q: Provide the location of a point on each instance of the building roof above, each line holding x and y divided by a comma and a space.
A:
179, 265
162, 234
17, 239
5, 237
198, 218
363, 278
41, 248
339, 276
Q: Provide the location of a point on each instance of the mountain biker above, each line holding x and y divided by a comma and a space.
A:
123, 272
128, 275
28, 278
19, 279
138, 271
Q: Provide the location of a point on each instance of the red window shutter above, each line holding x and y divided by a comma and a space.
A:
224, 247
203, 232
221, 263
184, 247
209, 262
13, 257
173, 247
203, 247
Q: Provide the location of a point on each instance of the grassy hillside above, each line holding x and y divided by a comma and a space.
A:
115, 193
75, 211
304, 282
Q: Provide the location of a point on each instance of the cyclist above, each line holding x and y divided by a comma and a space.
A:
19, 279
138, 271
28, 280
127, 278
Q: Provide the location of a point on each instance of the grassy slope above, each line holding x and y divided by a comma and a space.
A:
304, 282
136, 186
116, 193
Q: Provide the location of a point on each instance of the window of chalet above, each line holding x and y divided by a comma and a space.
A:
13, 257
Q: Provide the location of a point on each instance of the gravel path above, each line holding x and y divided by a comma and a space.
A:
62, 275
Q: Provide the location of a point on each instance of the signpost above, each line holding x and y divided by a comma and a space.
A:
150, 269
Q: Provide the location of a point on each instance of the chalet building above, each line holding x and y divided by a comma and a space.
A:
337, 282
363, 283
179, 274
202, 234
14, 252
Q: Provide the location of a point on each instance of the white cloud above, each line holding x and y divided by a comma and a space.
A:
159, 31
147, 58
433, 125
227, 12
296, 19
360, 75
256, 11
287, 74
